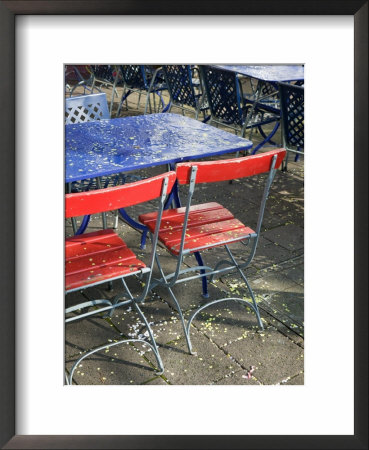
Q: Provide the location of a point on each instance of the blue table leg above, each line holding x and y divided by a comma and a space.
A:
136, 225
165, 109
83, 226
173, 196
204, 281
276, 126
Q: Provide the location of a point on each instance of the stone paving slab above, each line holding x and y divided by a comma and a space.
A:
290, 237
238, 378
268, 253
288, 306
275, 356
297, 380
295, 273
209, 363
280, 322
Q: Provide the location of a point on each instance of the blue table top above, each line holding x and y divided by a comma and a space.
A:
274, 73
112, 146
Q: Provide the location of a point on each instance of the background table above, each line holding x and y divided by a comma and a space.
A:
267, 77
271, 73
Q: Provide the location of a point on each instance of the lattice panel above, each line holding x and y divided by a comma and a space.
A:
179, 82
134, 76
293, 108
102, 72
84, 113
271, 90
222, 95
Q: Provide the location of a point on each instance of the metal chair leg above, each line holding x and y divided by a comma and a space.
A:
113, 344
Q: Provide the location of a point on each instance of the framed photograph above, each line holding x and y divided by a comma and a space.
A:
37, 40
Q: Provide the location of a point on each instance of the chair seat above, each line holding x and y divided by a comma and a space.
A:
209, 225
97, 257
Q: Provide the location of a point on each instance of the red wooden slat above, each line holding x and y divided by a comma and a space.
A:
229, 169
108, 199
208, 228
97, 257
91, 261
98, 241
199, 214
207, 236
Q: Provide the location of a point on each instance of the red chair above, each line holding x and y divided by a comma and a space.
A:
102, 256
191, 229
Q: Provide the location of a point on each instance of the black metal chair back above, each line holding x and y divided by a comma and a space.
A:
224, 95
292, 107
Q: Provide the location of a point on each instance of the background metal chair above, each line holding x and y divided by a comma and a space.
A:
87, 108
195, 228
229, 106
102, 256
106, 76
142, 79
76, 76
182, 89
292, 108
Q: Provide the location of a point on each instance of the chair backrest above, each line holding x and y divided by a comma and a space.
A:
224, 95
222, 170
86, 108
134, 76
179, 82
103, 72
101, 200
292, 110
229, 169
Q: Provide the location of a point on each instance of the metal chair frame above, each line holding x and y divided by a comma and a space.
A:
181, 87
138, 78
86, 83
102, 200
292, 117
231, 108
109, 77
200, 172
263, 107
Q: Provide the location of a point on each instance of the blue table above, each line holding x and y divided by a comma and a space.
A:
107, 147
270, 73
266, 91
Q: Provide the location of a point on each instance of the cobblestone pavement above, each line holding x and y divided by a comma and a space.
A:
226, 338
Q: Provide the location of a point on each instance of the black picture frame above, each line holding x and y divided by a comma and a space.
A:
8, 10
